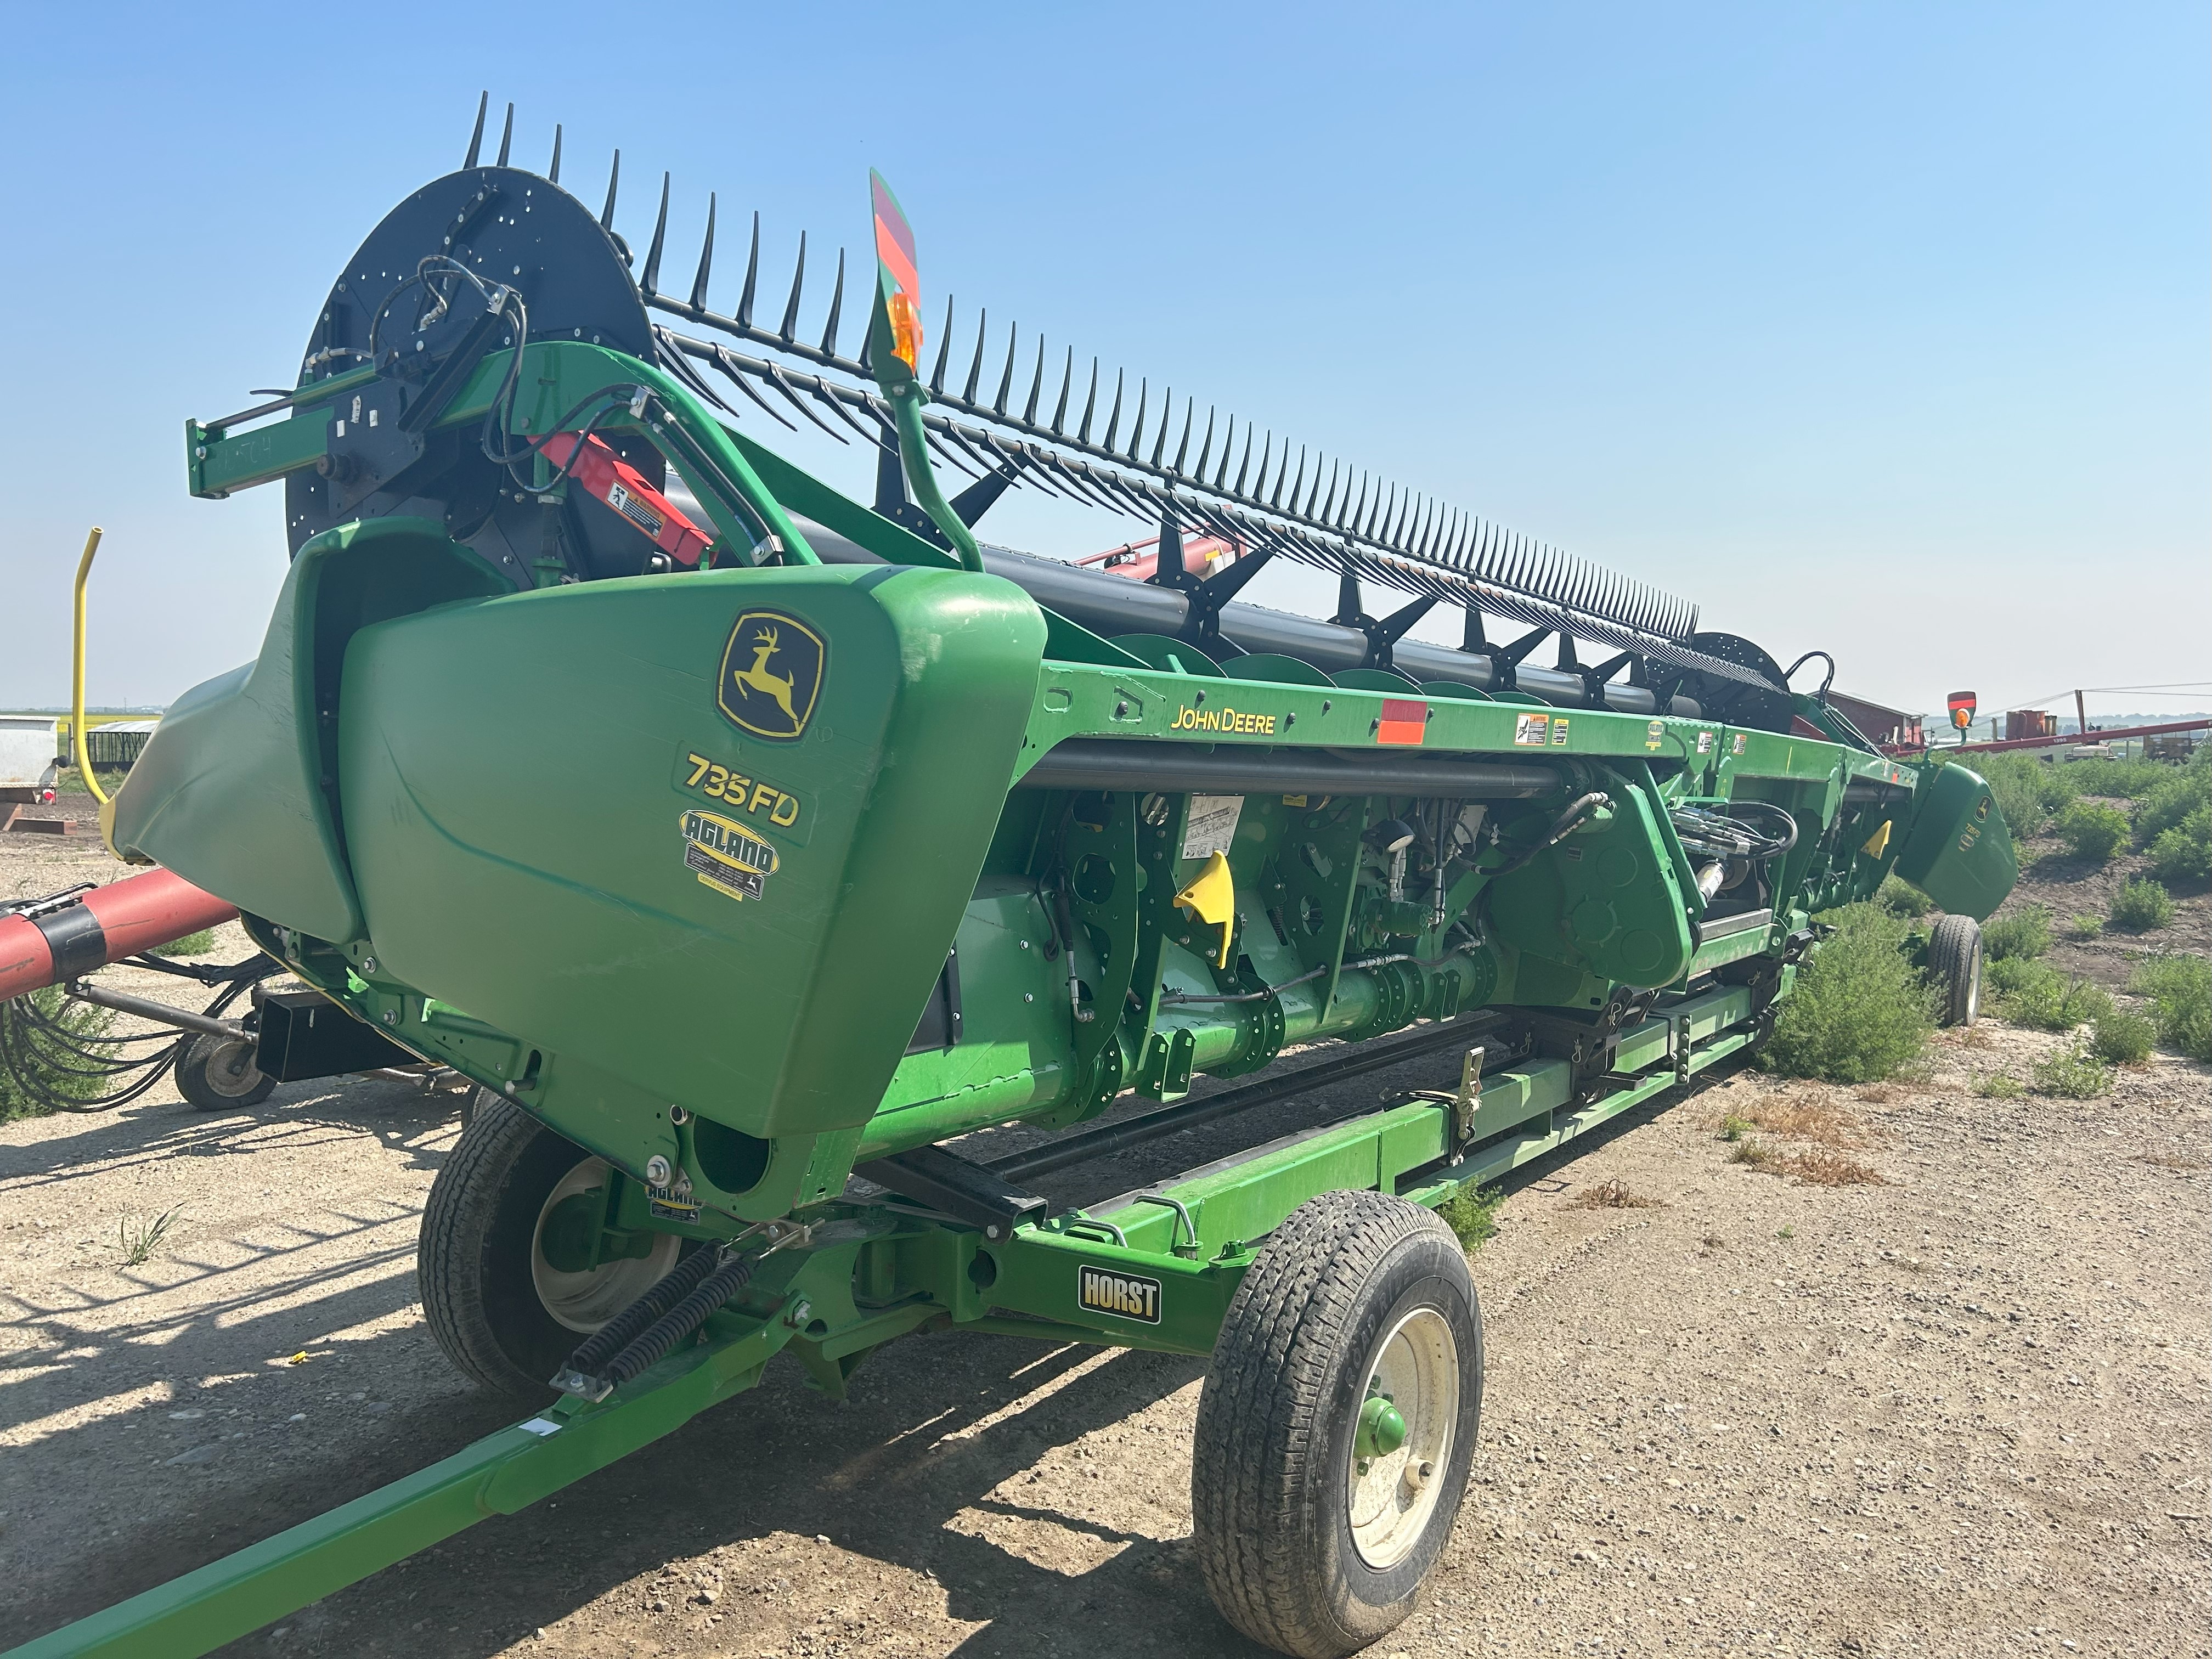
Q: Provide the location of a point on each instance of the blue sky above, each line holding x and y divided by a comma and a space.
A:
1878, 329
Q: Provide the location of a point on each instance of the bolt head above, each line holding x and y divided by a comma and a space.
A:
658, 1169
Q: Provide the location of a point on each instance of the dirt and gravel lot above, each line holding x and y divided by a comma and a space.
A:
1960, 1410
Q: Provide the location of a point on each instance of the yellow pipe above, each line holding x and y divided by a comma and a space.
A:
77, 672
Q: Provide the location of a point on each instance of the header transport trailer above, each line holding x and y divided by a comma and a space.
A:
745, 843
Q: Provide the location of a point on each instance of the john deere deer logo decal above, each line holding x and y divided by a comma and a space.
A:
771, 674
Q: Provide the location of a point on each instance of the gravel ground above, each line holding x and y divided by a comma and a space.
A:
1961, 1409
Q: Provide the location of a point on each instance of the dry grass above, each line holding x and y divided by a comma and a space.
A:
1803, 1114
2175, 1160
1613, 1193
1818, 1166
1967, 1036
1880, 1094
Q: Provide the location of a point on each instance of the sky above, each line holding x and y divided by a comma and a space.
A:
1875, 329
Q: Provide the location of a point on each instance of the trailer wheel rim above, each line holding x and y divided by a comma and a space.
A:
230, 1069
1390, 1499
585, 1301
1974, 987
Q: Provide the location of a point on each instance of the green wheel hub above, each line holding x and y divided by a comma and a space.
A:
1382, 1427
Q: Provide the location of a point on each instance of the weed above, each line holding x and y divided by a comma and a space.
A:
1860, 1011
2027, 791
2073, 1072
1734, 1127
191, 944
2084, 928
1999, 1085
142, 1236
1472, 1214
1613, 1193
2046, 1001
1806, 1116
48, 1079
2141, 905
2180, 991
1902, 898
2091, 830
1753, 1151
1880, 1094
1971, 1036
2120, 1038
2183, 856
2023, 935
1787, 1232
2122, 780
2171, 802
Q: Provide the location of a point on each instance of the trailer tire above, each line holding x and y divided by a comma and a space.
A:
486, 1292
1310, 1542
217, 1074
1954, 962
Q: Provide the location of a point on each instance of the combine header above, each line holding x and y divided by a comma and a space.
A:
747, 843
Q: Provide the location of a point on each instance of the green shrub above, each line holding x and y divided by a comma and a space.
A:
1902, 898
1999, 1084
2091, 830
2085, 927
2123, 779
2141, 905
1472, 1214
2122, 1038
2167, 803
2072, 1072
48, 1083
2180, 991
2182, 855
2025, 932
2027, 791
191, 944
1860, 1011
2037, 995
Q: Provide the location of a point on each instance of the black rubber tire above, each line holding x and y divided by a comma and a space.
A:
217, 1074
1954, 965
472, 1262
1278, 1415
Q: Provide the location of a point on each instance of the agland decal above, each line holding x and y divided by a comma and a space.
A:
772, 672
1125, 1295
726, 856
1223, 720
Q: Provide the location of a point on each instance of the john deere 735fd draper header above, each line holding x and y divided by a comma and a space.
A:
746, 843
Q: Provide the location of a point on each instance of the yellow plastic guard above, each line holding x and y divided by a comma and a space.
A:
1211, 896
1878, 842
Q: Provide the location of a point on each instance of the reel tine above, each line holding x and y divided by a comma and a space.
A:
476, 138
1298, 483
614, 182
1190, 410
1205, 449
944, 351
1036, 386
1228, 443
1006, 379
1243, 466
752, 277
506, 137
975, 369
1266, 451
650, 282
776, 378
728, 365
791, 306
1137, 432
1167, 413
706, 258
1067, 384
1089, 405
553, 173
1329, 503
1313, 494
1353, 513
1114, 420
836, 306
1275, 498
